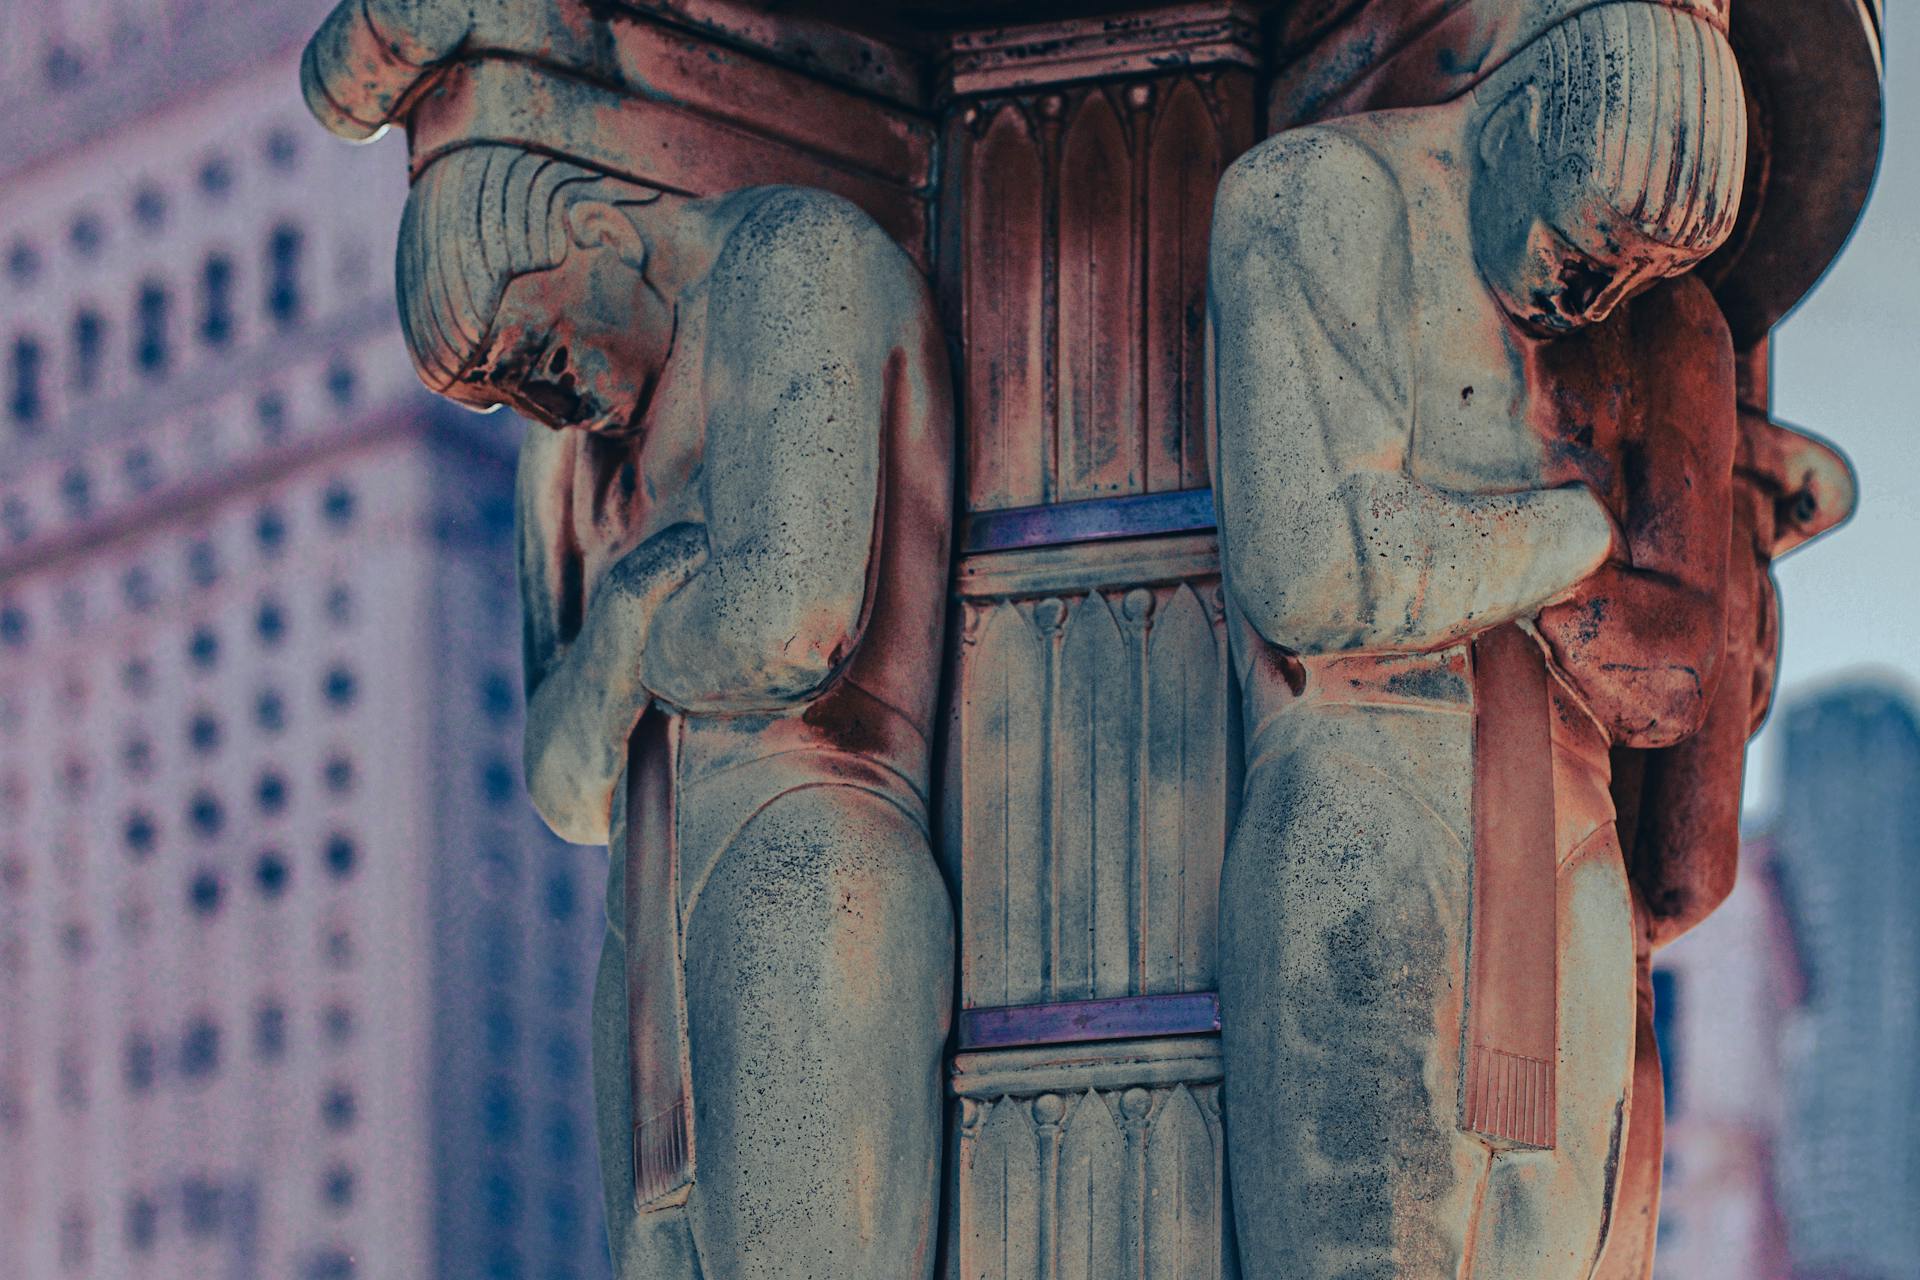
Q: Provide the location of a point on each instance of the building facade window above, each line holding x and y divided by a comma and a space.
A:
216, 300
150, 329
89, 344
23, 399
284, 248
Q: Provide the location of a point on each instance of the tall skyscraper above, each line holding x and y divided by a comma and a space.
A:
1849, 844
1790, 1020
293, 984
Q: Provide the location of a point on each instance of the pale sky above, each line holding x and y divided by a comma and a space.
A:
1847, 366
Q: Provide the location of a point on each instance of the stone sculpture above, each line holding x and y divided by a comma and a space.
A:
1474, 483
1487, 571
733, 519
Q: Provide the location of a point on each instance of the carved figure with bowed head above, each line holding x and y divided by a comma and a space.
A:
734, 515
1475, 431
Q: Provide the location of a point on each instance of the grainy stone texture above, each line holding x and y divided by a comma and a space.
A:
771, 578
733, 561
1458, 385
1091, 1162
1469, 409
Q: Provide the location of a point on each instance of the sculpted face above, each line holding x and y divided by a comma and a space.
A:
1609, 154
580, 344
1549, 242
530, 281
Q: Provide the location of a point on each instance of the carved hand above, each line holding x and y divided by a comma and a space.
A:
581, 712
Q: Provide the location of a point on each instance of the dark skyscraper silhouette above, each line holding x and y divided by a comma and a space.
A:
1848, 845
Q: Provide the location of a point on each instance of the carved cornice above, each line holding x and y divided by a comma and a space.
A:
1009, 59
815, 47
1088, 566
1115, 1065
690, 97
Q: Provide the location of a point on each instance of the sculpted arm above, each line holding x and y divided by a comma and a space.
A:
581, 658
1788, 487
798, 369
1642, 638
1330, 543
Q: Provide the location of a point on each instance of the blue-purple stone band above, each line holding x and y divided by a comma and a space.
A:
1075, 1021
1097, 520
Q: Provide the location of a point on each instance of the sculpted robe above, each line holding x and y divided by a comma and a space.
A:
763, 563
1404, 478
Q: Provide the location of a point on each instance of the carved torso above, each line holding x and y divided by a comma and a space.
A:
624, 489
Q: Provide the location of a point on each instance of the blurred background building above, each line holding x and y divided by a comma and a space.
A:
1790, 1020
1849, 846
1724, 998
293, 983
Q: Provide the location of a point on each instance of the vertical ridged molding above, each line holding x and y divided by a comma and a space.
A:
1185, 794
1000, 1188
1002, 725
1182, 1198
1089, 1195
1184, 161
1100, 446
1098, 724
1005, 445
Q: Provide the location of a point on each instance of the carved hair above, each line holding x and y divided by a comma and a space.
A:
1645, 103
477, 219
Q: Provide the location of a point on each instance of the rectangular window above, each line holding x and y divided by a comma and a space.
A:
150, 325
216, 300
23, 400
283, 275
89, 338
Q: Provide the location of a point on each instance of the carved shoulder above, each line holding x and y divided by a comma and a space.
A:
1321, 197
1310, 269
821, 259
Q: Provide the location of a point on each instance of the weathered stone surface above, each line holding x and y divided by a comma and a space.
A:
733, 562
1452, 393
1468, 409
1100, 1161
1090, 793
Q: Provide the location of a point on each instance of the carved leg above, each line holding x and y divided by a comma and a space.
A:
1636, 1213
819, 957
1546, 1212
1343, 948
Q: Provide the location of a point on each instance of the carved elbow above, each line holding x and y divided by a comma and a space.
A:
1304, 612
572, 807
1286, 616
775, 659
574, 818
797, 665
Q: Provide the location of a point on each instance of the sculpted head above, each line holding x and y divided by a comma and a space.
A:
523, 281
1610, 154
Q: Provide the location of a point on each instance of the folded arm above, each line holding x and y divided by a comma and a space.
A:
1331, 544
584, 693
799, 371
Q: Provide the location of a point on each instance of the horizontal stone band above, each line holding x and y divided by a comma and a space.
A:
1079, 1021
1095, 520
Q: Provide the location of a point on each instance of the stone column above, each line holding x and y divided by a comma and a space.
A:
1090, 758
1054, 178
